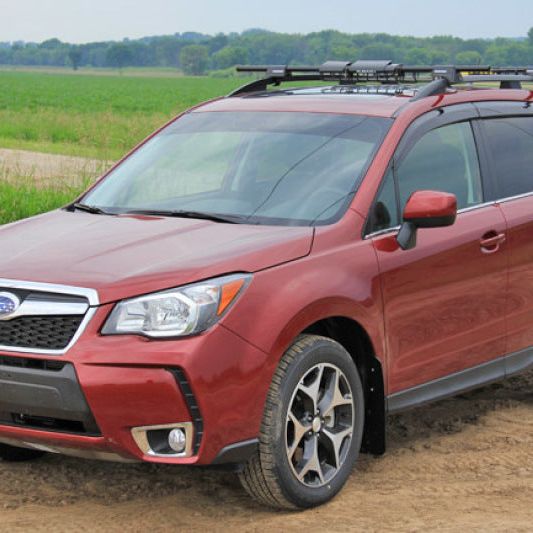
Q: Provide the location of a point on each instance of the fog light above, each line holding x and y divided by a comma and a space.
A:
166, 440
177, 440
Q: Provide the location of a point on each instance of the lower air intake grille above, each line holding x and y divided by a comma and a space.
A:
39, 332
34, 364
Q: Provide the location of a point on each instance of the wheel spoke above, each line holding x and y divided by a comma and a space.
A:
312, 390
319, 425
311, 461
333, 396
336, 439
300, 429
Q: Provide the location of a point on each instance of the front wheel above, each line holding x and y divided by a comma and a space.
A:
312, 427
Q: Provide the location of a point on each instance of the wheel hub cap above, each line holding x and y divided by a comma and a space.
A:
319, 426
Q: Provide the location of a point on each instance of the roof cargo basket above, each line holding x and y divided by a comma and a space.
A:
437, 79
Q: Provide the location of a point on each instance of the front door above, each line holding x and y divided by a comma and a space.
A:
445, 299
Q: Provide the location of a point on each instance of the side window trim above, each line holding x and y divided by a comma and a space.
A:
516, 197
432, 120
504, 109
379, 232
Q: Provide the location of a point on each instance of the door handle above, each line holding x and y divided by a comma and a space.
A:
491, 241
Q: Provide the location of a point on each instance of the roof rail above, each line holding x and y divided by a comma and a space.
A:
438, 78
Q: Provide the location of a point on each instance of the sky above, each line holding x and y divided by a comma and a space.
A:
80, 21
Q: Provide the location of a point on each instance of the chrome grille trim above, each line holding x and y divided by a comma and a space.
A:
46, 308
90, 294
38, 307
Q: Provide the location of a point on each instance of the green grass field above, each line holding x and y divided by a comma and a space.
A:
99, 116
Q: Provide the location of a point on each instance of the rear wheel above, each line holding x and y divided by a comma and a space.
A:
312, 427
12, 454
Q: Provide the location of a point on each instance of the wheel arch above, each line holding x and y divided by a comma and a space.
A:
357, 342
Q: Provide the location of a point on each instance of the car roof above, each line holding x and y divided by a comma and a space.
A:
377, 105
331, 100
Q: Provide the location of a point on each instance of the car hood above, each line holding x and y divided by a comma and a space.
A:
129, 255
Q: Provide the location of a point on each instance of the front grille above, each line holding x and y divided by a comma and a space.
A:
39, 332
45, 318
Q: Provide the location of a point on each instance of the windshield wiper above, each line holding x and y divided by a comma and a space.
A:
227, 219
89, 209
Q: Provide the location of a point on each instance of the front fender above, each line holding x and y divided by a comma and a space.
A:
281, 302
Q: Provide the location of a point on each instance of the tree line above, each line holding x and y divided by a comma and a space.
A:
197, 54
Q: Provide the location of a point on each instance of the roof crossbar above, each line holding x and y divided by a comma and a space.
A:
385, 72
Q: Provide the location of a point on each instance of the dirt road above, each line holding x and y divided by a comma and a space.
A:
464, 464
46, 167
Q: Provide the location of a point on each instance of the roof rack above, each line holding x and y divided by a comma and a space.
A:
438, 78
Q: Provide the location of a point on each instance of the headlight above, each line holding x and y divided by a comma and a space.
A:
178, 312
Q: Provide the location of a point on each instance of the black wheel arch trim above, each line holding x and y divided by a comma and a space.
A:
236, 453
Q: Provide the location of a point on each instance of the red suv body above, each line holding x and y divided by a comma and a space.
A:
424, 315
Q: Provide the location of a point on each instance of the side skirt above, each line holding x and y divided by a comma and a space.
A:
465, 380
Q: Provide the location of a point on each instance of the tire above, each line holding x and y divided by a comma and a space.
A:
304, 459
17, 455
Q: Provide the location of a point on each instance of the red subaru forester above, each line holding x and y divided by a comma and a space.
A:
261, 281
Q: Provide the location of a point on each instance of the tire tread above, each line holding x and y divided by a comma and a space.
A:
258, 476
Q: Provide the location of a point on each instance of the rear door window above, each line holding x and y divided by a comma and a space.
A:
511, 146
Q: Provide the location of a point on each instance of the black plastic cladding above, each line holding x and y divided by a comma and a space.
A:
45, 396
194, 410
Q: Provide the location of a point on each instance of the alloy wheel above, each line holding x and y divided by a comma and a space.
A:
320, 424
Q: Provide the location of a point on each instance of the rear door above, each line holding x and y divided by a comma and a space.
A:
444, 300
508, 133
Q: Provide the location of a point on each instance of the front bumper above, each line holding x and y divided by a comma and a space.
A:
110, 385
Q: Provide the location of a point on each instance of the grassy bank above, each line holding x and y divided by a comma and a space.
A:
22, 198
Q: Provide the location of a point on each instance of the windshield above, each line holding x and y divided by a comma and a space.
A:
251, 167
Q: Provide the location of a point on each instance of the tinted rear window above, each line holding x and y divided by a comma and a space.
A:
511, 145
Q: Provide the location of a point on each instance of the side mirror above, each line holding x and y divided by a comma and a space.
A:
426, 209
